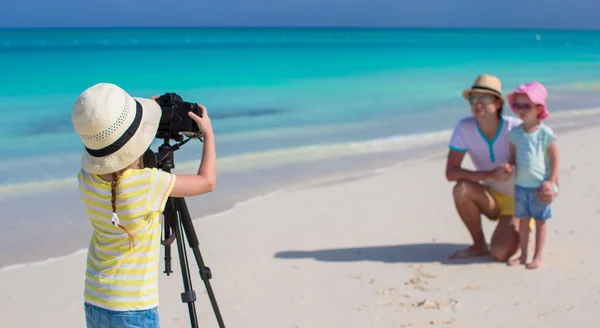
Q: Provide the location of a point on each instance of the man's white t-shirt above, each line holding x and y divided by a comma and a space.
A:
486, 154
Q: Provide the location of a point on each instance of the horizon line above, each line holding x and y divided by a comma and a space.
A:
292, 27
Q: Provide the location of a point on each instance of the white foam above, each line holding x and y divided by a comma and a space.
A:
323, 151
14, 190
406, 163
43, 262
575, 112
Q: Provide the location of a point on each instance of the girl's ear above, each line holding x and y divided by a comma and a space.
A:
137, 164
539, 108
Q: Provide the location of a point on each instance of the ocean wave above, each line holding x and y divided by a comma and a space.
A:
256, 160
331, 150
277, 157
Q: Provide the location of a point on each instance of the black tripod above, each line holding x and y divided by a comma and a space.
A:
176, 217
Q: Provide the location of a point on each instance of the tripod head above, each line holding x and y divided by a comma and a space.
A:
163, 159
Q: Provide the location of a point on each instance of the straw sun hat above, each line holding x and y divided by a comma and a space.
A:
115, 128
485, 84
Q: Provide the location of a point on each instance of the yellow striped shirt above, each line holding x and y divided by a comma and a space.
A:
118, 278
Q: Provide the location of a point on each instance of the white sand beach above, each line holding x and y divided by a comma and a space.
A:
367, 250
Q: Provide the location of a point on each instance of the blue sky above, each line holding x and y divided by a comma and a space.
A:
561, 14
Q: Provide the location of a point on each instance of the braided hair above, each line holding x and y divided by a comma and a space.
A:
115, 218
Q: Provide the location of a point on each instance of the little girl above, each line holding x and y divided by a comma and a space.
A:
535, 154
124, 202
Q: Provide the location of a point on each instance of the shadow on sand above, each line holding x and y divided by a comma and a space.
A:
409, 253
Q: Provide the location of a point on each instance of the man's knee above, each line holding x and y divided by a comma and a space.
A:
462, 190
502, 253
507, 247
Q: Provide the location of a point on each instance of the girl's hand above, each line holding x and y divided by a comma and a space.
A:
204, 122
502, 173
546, 194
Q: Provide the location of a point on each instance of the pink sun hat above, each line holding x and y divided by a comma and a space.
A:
536, 92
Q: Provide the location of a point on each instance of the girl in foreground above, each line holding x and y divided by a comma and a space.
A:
124, 202
535, 154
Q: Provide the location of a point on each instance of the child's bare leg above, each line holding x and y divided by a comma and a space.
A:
523, 241
540, 240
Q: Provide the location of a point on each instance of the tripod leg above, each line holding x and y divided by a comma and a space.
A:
205, 273
189, 295
169, 213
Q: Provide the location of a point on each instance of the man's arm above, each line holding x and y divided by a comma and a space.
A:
455, 172
512, 157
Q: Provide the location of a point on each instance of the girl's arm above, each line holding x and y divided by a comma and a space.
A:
549, 188
204, 181
553, 155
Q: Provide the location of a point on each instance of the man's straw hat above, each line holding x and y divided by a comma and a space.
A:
485, 84
115, 128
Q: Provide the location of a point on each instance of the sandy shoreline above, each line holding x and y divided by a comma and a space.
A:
361, 250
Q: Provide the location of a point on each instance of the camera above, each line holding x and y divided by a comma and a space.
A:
175, 119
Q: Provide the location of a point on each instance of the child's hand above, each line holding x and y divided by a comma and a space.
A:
547, 187
508, 168
546, 193
503, 172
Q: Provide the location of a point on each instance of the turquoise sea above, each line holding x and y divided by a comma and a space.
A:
276, 95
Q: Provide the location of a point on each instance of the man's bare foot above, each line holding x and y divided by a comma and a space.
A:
520, 260
537, 261
470, 252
